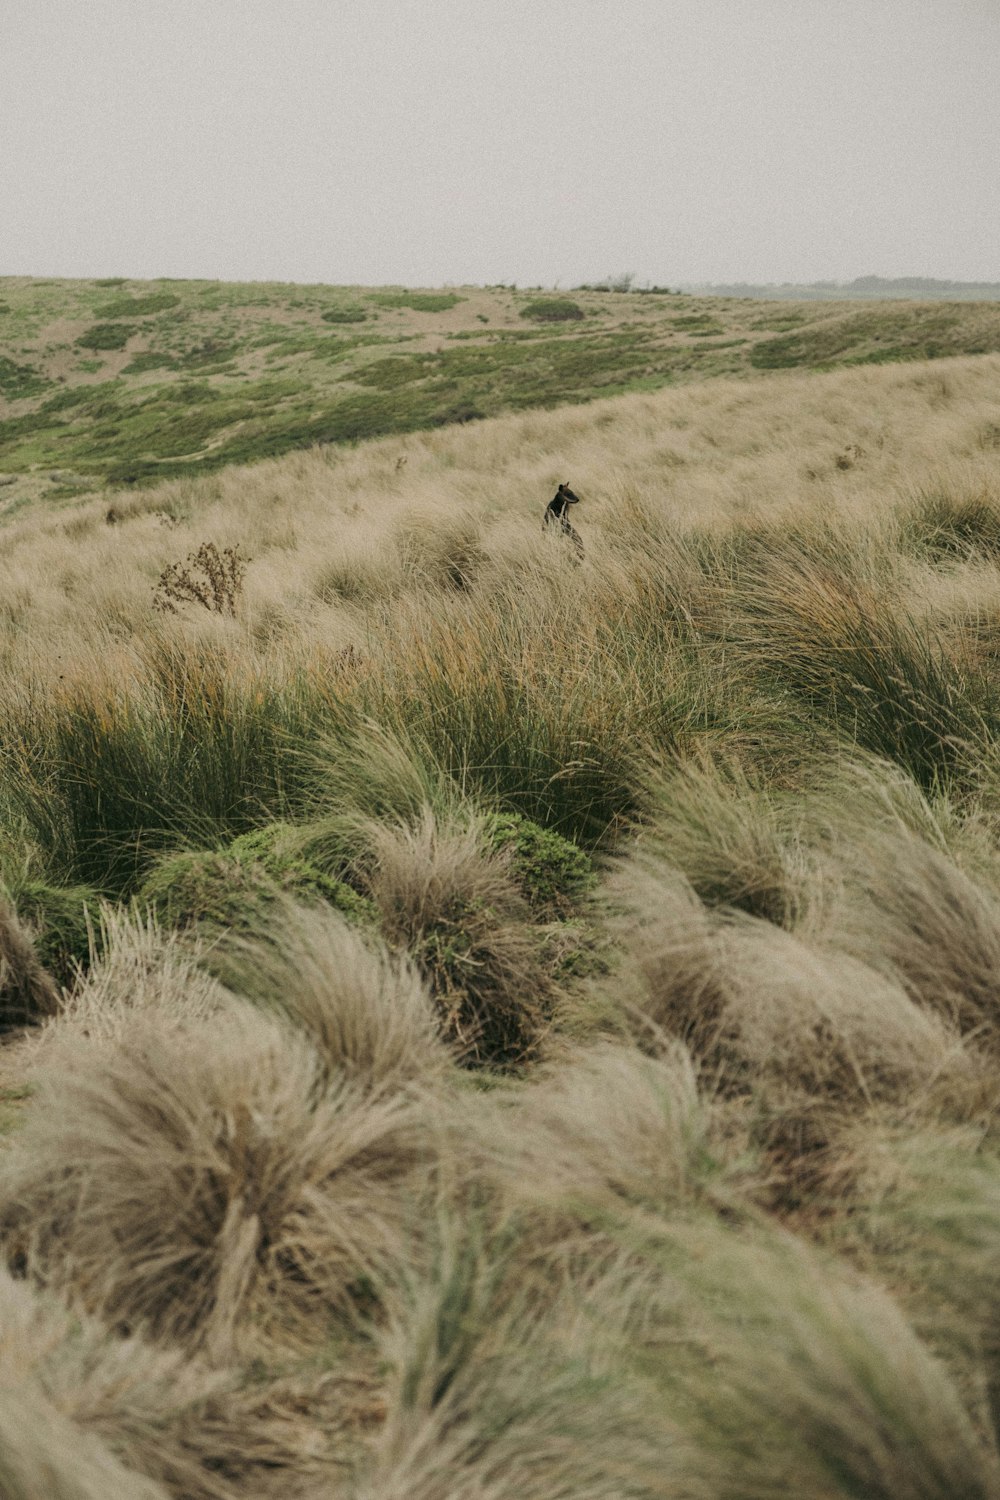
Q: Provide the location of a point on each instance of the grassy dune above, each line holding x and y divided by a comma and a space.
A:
124, 383
503, 1025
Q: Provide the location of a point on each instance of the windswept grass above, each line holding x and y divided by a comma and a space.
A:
495, 1024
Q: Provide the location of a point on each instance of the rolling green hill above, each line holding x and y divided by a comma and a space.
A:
120, 383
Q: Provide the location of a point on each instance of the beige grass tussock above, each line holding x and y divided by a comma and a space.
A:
208, 1187
27, 990
453, 903
367, 1011
201, 1434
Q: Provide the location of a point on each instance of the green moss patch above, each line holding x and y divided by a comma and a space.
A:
552, 871
230, 887
63, 921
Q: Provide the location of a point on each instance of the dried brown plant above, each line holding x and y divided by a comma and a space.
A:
208, 577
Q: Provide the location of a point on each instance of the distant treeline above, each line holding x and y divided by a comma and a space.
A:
923, 287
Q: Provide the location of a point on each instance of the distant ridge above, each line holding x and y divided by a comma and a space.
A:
923, 288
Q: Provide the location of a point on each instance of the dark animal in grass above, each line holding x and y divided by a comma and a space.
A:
555, 514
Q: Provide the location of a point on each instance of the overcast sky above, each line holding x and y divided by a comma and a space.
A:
537, 141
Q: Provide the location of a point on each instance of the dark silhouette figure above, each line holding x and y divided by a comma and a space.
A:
555, 514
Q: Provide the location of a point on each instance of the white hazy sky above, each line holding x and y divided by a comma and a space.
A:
536, 141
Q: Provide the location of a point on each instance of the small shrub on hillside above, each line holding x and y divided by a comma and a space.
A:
209, 578
137, 307
106, 336
417, 301
552, 871
18, 381
552, 310
150, 360
344, 315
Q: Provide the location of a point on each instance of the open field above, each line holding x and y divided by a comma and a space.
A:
507, 1027
124, 383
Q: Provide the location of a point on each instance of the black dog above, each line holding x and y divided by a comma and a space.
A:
555, 514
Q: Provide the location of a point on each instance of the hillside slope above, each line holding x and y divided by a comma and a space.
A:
127, 382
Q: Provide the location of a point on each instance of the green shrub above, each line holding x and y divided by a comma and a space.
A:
150, 360
552, 310
106, 336
278, 850
418, 301
552, 871
185, 890
18, 381
63, 921
233, 887
137, 307
345, 315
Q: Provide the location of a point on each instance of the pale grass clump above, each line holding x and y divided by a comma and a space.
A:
367, 1011
451, 901
142, 970
861, 797
671, 982
827, 1025
793, 1376
772, 1012
201, 1434
737, 844
925, 1220
490, 1395
599, 1127
912, 909
45, 1457
440, 549
209, 1187
27, 990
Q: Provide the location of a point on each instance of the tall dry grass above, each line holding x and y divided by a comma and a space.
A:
713, 1213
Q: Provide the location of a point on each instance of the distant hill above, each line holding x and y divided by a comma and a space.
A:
923, 288
123, 383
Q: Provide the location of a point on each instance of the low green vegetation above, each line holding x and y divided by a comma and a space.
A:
106, 336
552, 310
425, 302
